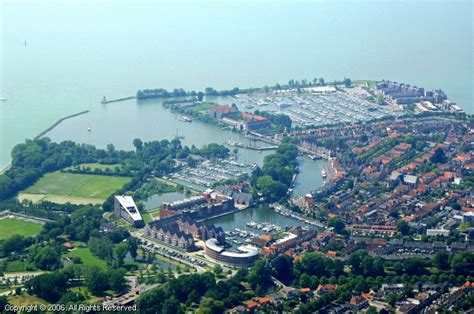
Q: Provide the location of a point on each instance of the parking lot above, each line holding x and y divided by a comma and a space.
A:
157, 248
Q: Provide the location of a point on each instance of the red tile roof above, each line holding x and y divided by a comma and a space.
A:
250, 116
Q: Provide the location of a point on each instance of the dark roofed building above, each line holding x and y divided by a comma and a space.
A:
222, 111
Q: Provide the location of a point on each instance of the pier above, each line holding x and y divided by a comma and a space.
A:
312, 151
105, 101
252, 147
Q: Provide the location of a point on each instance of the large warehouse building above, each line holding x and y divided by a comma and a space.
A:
245, 257
125, 208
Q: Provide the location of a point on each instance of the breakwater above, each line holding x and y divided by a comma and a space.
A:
105, 101
55, 124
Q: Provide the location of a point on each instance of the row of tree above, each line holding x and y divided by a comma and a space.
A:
210, 91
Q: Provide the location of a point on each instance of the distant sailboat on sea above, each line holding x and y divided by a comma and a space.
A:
89, 128
26, 44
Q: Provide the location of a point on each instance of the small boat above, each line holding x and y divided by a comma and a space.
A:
314, 157
89, 129
3, 99
185, 119
323, 173
104, 100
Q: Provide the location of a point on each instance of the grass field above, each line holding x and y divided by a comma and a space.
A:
87, 258
201, 107
74, 188
9, 227
15, 266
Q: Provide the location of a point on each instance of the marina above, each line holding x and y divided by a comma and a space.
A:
312, 109
210, 172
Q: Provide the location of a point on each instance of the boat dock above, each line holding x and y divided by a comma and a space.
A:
252, 147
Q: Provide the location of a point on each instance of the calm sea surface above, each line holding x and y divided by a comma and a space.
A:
78, 51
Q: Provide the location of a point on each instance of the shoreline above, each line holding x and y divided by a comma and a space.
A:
330, 171
45, 131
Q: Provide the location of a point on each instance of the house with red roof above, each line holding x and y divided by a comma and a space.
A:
322, 289
221, 111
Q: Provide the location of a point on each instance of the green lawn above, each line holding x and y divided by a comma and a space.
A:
87, 258
201, 107
151, 215
15, 266
75, 188
9, 227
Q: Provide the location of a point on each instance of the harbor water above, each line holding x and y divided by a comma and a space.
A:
67, 66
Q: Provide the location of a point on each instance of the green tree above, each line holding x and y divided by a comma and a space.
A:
137, 143
96, 279
441, 260
45, 257
337, 224
101, 247
438, 156
459, 264
217, 269
260, 274
133, 246
271, 189
200, 96
305, 281
403, 227
121, 251
171, 306
282, 268
117, 281
49, 286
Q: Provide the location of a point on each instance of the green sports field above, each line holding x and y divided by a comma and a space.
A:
9, 227
74, 188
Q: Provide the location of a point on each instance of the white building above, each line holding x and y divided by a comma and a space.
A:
125, 208
437, 232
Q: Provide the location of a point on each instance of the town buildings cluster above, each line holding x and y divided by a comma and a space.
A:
241, 120
400, 93
408, 171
